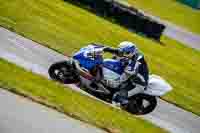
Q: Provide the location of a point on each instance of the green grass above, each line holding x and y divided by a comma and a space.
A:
172, 11
67, 28
70, 102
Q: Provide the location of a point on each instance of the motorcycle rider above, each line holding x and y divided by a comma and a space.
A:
135, 77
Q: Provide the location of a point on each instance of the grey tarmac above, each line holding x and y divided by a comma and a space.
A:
20, 115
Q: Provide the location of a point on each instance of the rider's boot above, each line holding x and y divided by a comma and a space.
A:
120, 99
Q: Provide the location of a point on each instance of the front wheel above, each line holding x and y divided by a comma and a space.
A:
141, 104
63, 72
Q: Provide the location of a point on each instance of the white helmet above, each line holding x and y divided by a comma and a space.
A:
128, 48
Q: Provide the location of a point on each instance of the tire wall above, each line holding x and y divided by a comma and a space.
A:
124, 15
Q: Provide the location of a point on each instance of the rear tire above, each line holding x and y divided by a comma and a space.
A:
63, 72
137, 105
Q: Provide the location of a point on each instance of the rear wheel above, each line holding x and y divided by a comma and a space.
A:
63, 72
141, 104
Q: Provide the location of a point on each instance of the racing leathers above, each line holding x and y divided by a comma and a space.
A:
133, 81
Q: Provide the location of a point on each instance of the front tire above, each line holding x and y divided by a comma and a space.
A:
137, 104
63, 72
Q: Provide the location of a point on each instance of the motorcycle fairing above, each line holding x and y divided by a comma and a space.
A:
110, 66
85, 61
157, 86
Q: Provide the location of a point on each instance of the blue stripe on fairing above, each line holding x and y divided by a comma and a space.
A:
89, 63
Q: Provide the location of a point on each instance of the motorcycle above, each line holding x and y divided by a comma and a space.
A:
67, 72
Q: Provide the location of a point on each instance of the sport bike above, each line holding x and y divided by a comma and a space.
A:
67, 72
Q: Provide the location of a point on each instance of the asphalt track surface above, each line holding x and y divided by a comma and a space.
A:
20, 115
37, 58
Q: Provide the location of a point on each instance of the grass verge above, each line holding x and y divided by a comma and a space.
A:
69, 102
66, 28
172, 11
